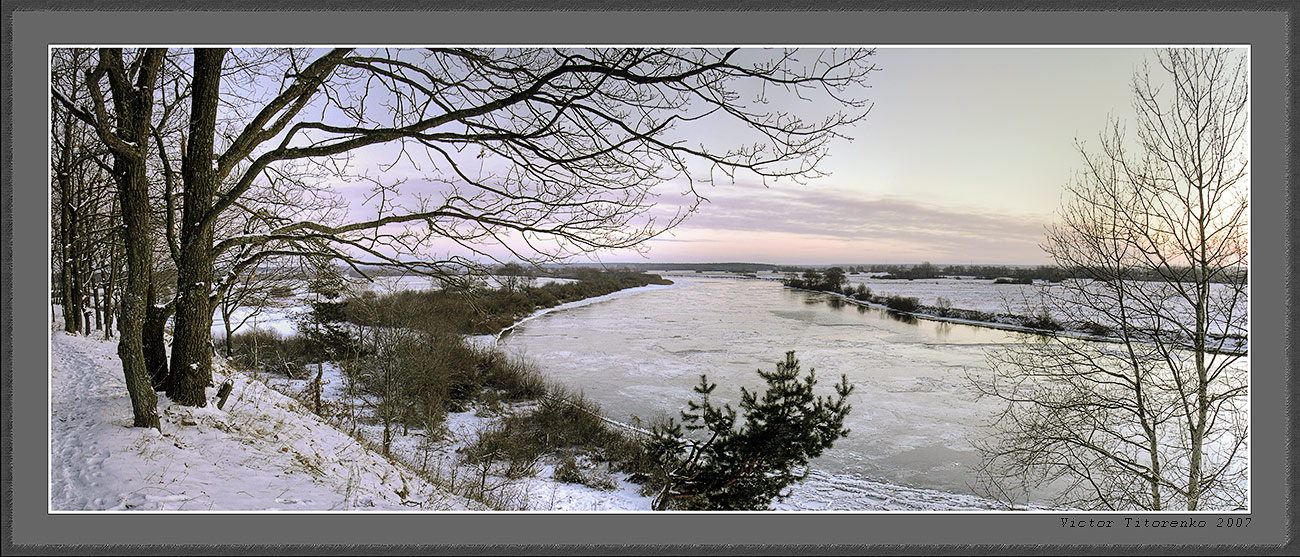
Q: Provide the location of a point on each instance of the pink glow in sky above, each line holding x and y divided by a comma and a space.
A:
961, 160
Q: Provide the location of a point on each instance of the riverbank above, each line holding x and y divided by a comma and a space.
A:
496, 338
1002, 321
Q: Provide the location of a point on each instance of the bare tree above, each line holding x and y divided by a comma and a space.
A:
84, 226
1158, 225
124, 130
548, 152
260, 288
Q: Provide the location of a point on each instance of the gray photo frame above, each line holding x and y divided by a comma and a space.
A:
32, 25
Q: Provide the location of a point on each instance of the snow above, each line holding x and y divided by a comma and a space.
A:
281, 320
439, 456
832, 492
262, 452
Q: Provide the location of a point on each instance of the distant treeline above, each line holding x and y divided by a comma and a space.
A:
722, 267
833, 280
1011, 274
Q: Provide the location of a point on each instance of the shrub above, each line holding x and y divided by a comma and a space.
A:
567, 471
561, 422
571, 471
501, 443
1021, 280
746, 468
902, 303
269, 351
514, 378
1042, 322
1097, 329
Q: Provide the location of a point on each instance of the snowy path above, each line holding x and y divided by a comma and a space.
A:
264, 451
81, 415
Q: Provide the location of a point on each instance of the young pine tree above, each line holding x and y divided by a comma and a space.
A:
746, 468
324, 326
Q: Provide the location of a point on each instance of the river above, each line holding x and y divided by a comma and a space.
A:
914, 412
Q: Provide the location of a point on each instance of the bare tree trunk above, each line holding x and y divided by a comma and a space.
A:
99, 308
125, 133
225, 320
255, 347
63, 176
320, 374
65, 271
108, 291
191, 369
155, 343
134, 107
134, 194
74, 279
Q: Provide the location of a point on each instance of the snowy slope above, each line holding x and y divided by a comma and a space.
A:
264, 451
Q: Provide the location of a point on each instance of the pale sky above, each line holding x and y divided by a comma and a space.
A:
962, 160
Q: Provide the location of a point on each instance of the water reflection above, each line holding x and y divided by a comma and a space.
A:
903, 317
943, 328
935, 329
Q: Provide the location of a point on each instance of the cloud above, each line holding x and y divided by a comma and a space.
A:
898, 228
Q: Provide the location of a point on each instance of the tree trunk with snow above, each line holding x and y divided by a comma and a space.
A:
191, 369
133, 108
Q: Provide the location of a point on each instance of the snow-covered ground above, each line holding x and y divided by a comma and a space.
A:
262, 452
265, 451
965, 293
541, 492
439, 456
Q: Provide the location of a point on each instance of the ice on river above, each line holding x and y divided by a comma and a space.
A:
914, 414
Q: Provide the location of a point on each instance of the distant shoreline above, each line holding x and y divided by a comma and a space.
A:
988, 324
1003, 326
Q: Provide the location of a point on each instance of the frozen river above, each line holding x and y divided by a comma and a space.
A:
914, 413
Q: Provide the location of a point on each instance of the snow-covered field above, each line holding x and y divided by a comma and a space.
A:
1006, 304
964, 293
